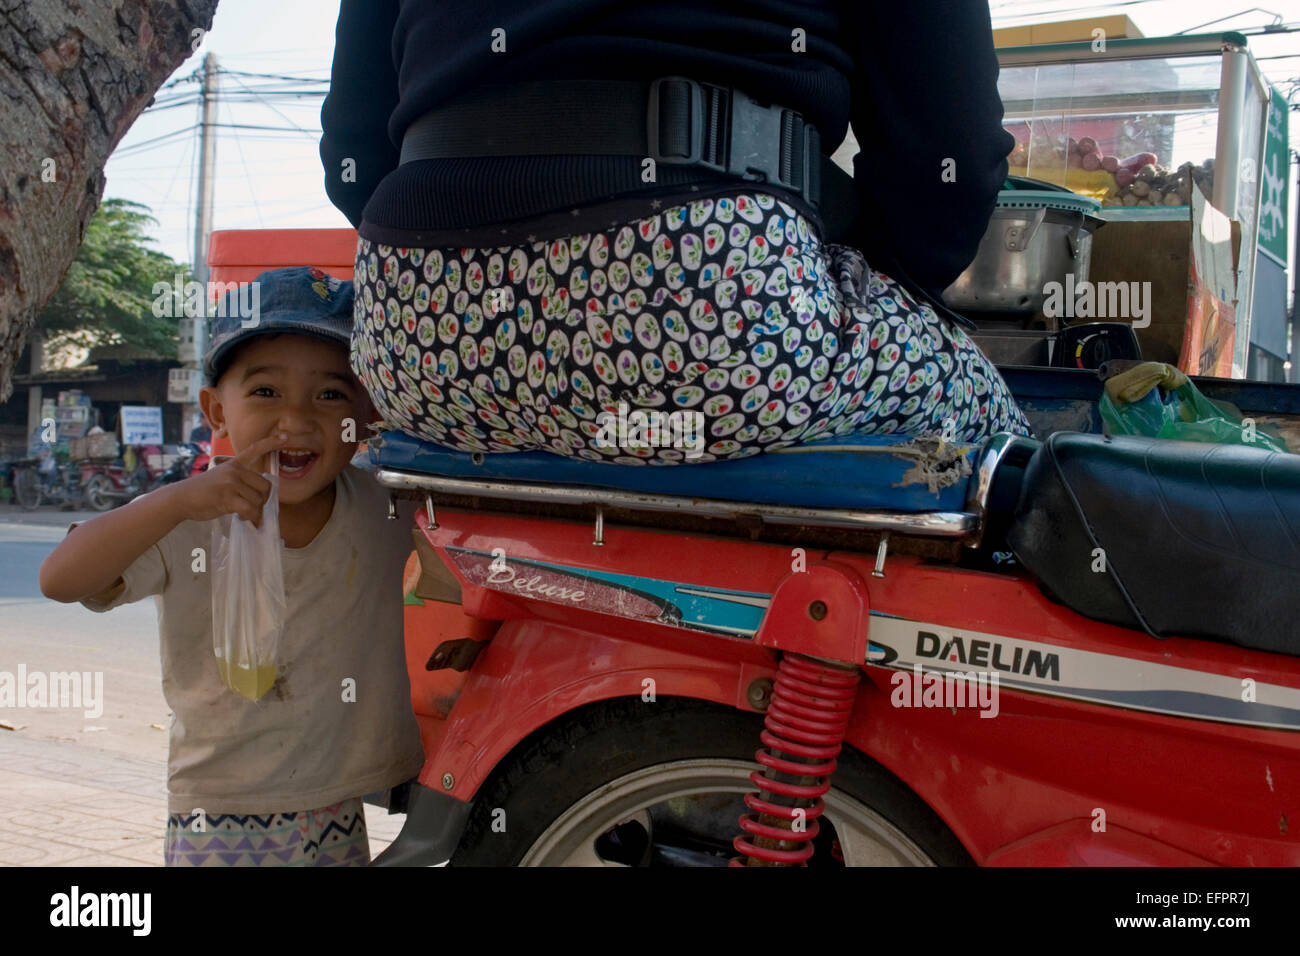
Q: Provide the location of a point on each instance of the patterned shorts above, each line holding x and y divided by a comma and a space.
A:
330, 836
731, 308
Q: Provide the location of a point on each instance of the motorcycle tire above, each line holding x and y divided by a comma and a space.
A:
521, 812
27, 488
98, 493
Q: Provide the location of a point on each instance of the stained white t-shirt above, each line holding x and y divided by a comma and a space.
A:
303, 745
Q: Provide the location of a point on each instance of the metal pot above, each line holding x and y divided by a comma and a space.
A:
1029, 242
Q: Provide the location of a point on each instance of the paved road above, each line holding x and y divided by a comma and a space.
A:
78, 790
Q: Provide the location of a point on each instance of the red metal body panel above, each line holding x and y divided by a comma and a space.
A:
534, 671
1023, 788
1076, 843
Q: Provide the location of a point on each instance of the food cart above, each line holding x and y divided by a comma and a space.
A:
1183, 143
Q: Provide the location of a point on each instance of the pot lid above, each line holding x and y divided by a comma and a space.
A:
1024, 182
1052, 199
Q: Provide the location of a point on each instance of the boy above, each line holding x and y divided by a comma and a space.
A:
277, 781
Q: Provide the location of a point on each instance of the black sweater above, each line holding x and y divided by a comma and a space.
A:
917, 78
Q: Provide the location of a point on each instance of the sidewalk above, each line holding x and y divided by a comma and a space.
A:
68, 804
44, 515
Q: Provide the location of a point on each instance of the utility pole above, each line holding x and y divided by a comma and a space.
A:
207, 168
191, 357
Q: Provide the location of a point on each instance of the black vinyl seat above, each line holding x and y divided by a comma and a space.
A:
1197, 540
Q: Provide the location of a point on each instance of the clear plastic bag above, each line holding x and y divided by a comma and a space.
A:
248, 605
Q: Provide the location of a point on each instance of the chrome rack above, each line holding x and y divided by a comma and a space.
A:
936, 524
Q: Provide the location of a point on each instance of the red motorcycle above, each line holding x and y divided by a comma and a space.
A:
108, 485
869, 651
202, 457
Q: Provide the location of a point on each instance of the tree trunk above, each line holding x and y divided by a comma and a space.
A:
74, 74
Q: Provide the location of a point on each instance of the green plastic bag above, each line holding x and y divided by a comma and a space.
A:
1183, 412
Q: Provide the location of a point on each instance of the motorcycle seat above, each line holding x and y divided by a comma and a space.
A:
1176, 538
859, 472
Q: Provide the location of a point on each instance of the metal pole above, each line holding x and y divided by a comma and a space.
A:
35, 339
190, 412
1227, 148
207, 166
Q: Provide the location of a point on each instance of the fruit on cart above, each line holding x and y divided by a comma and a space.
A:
1135, 180
1155, 185
1137, 161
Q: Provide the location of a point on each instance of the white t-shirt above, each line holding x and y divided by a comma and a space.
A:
302, 745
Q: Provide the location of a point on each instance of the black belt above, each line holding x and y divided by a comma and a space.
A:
673, 120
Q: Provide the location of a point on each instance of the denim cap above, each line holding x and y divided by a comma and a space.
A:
301, 299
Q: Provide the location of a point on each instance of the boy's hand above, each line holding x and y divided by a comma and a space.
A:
232, 487
95, 554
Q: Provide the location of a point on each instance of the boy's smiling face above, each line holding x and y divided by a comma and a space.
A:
300, 385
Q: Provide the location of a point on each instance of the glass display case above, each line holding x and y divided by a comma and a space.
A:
1139, 123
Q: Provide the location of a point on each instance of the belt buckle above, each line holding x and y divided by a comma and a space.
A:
695, 155
752, 137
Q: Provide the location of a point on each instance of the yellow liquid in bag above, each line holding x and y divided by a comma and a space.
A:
249, 682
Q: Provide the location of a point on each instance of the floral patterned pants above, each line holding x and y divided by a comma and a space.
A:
729, 307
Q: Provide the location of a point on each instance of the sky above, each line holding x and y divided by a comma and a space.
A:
273, 178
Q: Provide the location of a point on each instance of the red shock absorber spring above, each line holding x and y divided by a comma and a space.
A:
803, 732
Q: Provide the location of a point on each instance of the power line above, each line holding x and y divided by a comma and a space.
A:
277, 129
248, 176
147, 144
268, 105
194, 77
274, 76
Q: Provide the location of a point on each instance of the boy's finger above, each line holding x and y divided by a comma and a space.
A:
247, 508
251, 479
253, 455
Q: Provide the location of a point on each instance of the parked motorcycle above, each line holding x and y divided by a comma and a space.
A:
109, 485
1084, 653
186, 463
202, 457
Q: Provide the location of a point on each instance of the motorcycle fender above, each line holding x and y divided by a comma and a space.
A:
533, 672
